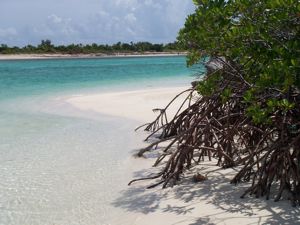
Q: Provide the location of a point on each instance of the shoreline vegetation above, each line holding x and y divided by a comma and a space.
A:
235, 133
247, 111
47, 50
207, 202
88, 55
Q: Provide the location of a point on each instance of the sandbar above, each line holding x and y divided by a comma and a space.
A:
214, 201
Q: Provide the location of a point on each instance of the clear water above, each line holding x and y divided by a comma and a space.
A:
68, 167
36, 77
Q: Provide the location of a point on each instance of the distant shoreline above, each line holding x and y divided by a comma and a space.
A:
87, 56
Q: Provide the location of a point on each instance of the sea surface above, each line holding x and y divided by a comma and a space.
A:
58, 166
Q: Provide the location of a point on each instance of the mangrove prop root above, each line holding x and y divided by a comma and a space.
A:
213, 127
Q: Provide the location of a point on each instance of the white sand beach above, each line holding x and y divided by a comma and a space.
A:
81, 80
96, 55
134, 105
214, 201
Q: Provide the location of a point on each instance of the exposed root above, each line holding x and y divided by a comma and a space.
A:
218, 127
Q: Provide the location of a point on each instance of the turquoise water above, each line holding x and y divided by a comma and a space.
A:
36, 77
62, 166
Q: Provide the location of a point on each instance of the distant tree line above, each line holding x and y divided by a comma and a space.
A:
46, 46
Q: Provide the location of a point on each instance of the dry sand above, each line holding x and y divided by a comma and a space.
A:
71, 56
213, 201
134, 105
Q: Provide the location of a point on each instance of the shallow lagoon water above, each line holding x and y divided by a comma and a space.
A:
36, 77
64, 170
59, 165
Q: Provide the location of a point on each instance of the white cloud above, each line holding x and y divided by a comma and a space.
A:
127, 3
148, 2
60, 25
130, 18
58, 29
88, 21
130, 31
176, 11
153, 4
102, 13
54, 18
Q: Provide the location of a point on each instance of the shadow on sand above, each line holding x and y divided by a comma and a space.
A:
216, 191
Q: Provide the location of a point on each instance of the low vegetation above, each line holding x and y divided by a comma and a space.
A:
246, 113
46, 47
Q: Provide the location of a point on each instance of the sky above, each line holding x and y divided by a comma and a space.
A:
25, 22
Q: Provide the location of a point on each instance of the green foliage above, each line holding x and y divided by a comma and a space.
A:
259, 115
3, 48
226, 94
262, 37
46, 46
208, 86
248, 96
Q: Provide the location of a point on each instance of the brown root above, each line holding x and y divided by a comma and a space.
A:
267, 154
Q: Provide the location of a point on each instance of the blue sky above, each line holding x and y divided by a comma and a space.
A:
91, 21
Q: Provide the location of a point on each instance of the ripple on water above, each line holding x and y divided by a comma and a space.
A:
67, 172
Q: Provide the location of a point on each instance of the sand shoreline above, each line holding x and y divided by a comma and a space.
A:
87, 56
134, 105
78, 167
214, 201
